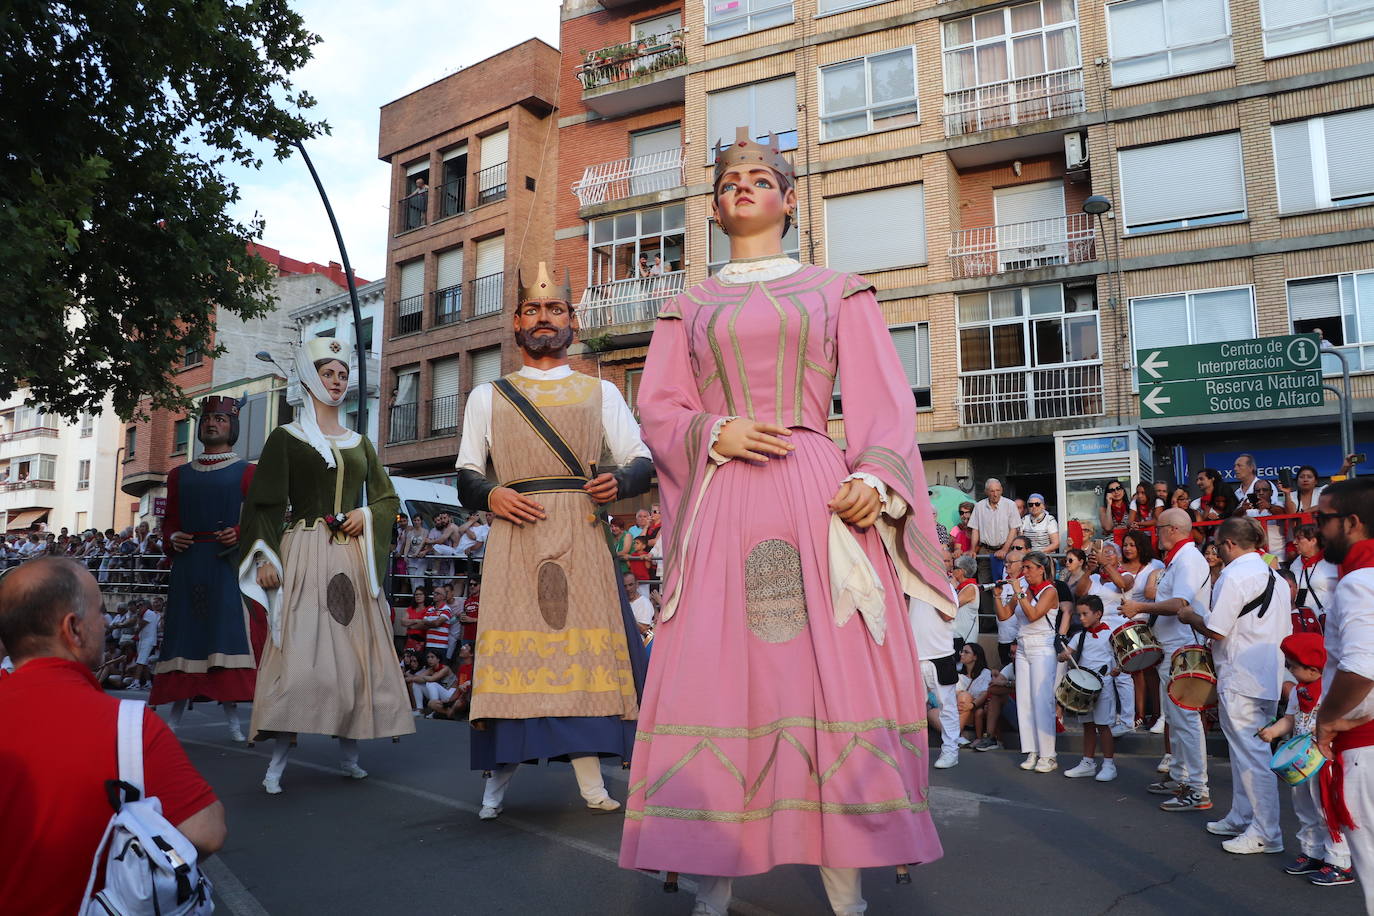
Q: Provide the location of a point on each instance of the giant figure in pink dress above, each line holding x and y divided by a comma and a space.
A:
784, 719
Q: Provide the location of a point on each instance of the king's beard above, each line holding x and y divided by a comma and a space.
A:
540, 346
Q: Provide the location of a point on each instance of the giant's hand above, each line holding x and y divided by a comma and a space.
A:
514, 507
181, 540
744, 438
354, 523
602, 488
856, 503
227, 536
268, 578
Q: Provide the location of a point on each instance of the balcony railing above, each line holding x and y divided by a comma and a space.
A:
633, 59
403, 424
628, 301
448, 304
453, 197
414, 210
487, 294
30, 433
443, 415
410, 314
988, 250
30, 484
1034, 98
623, 178
491, 184
1052, 393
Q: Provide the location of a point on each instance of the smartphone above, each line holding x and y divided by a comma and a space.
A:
1359, 458
1286, 478
1095, 545
1252, 499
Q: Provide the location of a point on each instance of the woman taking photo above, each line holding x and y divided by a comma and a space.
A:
328, 667
1303, 497
1115, 512
1036, 660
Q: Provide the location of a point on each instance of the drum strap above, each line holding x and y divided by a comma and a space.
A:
1262, 602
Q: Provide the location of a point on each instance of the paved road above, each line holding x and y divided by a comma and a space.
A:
408, 840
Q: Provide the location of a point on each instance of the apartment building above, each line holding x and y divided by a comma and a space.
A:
948, 150
473, 160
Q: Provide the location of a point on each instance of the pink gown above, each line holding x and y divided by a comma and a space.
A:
769, 734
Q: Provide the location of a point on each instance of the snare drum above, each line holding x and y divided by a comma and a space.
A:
1078, 691
1192, 678
1297, 760
1135, 646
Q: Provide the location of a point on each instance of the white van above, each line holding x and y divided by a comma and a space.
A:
428, 499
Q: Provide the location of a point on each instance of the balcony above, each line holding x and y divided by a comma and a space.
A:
448, 304
488, 294
660, 171
444, 414
1014, 395
625, 302
32, 432
453, 197
404, 423
413, 210
988, 250
636, 75
491, 184
1035, 98
410, 314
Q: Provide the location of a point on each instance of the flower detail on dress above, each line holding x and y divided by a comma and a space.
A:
774, 597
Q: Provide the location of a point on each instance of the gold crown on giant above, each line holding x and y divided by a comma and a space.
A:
543, 286
748, 151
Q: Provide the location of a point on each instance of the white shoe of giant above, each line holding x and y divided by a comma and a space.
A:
604, 805
354, 771
272, 784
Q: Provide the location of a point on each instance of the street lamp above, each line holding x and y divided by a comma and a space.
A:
1097, 205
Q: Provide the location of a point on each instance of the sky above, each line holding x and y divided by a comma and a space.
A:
372, 53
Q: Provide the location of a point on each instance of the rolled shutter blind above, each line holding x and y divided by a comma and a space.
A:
412, 278
486, 366
1347, 144
876, 230
1174, 181
450, 268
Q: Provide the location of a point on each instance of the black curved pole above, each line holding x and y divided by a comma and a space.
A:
352, 293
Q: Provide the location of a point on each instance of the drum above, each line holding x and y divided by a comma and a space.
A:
1135, 646
1192, 678
1078, 691
1297, 760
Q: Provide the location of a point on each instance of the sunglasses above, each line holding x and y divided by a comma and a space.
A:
1115, 490
1323, 517
1035, 504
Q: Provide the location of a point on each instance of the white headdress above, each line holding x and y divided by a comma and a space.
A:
315, 349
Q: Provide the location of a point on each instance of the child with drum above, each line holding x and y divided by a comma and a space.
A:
1091, 688
1325, 861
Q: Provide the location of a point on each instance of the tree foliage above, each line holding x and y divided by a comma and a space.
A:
115, 241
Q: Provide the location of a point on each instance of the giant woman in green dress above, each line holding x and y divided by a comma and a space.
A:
315, 537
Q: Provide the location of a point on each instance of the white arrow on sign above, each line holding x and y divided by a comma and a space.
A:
1153, 362
1155, 398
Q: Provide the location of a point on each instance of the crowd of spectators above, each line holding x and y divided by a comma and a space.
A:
131, 556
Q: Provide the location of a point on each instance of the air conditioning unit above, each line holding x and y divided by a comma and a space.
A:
1076, 150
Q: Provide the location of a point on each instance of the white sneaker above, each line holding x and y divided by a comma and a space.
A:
1120, 729
415, 712
604, 805
964, 742
948, 757
236, 734
1223, 828
1029, 762
1166, 763
272, 784
1046, 765
353, 770
489, 813
1248, 844
1158, 727
1108, 771
1086, 767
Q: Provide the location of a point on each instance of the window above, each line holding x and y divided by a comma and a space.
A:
625, 245
453, 196
837, 6
327, 332
87, 424
130, 440
486, 365
191, 356
718, 253
445, 381
1026, 327
410, 304
448, 291
1320, 162
658, 159
876, 230
365, 334
491, 180
869, 94
728, 18
83, 474
1291, 26
633, 378
253, 428
1341, 307
181, 436
1183, 184
405, 407
1154, 39
414, 206
35, 468
1010, 43
767, 107
489, 286
913, 349
1192, 318
30, 416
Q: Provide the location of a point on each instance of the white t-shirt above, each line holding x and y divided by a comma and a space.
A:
934, 634
642, 608
1142, 579
1183, 577
966, 617
1248, 659
1106, 589
1042, 628
978, 685
1319, 580
148, 635
1350, 634
1038, 532
1097, 653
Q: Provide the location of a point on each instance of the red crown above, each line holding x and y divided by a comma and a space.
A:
219, 404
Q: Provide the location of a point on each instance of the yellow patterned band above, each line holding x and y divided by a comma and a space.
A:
573, 679
570, 661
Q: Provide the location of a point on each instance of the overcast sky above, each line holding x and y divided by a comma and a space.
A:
372, 53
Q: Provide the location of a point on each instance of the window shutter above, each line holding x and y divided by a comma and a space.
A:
416, 168
1347, 143
460, 150
1160, 321
725, 111
1174, 181
495, 148
1293, 166
1311, 299
876, 230
491, 256
659, 140
775, 107
1136, 27
412, 278
486, 366
450, 268
913, 349
445, 379
1225, 314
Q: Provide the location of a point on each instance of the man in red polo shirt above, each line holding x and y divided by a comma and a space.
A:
57, 744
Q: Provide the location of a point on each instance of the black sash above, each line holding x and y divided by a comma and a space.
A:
1262, 602
542, 427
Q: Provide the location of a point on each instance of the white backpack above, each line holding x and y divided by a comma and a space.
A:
150, 868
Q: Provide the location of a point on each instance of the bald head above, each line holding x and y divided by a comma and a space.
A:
1173, 525
50, 607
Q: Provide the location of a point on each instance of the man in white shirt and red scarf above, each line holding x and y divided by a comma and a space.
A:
1345, 729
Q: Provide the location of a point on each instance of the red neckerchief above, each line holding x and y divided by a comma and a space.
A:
960, 587
1309, 562
1118, 516
1309, 695
1100, 628
1361, 556
1035, 591
1173, 551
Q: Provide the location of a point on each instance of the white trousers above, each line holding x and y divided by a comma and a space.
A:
947, 694
1254, 787
842, 887
1358, 765
1186, 742
590, 783
1313, 836
1035, 669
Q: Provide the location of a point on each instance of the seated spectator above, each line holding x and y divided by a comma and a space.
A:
1000, 701
640, 606
434, 681
639, 564
456, 706
972, 692
437, 621
415, 613
961, 534
59, 745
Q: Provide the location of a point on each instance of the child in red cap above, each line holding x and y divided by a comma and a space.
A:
1324, 861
